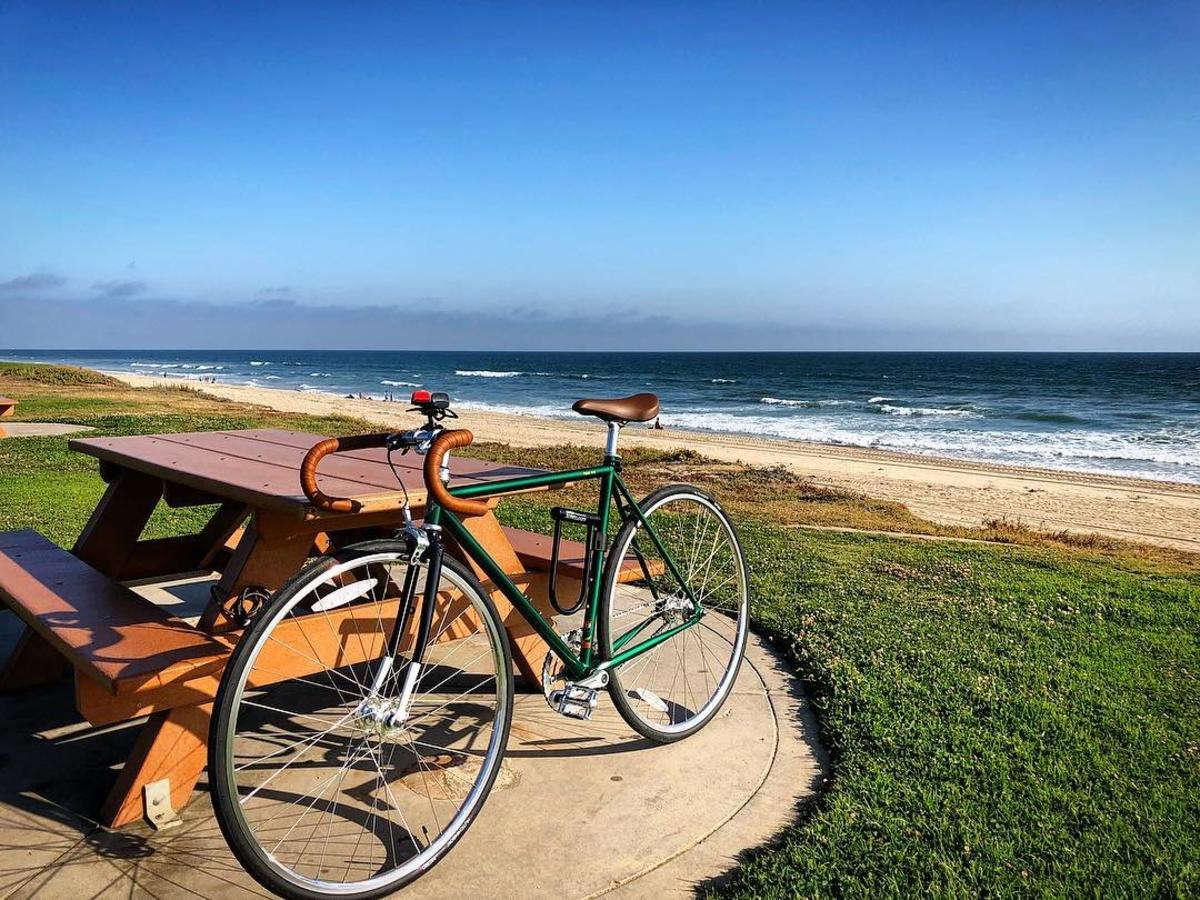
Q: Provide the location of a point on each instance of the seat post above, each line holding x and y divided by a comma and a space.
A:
610, 443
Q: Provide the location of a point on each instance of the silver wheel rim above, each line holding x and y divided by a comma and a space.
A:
409, 768
691, 673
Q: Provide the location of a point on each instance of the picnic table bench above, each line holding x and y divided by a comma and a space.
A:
7, 407
133, 658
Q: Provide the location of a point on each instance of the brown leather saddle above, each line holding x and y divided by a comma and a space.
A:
638, 408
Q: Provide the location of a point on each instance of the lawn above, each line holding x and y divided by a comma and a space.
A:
1005, 719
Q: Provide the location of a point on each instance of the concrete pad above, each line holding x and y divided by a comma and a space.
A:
587, 808
40, 429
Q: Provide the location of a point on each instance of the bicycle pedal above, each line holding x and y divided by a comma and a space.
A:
575, 701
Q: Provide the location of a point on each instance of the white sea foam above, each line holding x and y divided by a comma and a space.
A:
723, 381
141, 365
927, 411
1172, 454
542, 411
400, 383
320, 374
804, 404
273, 377
879, 399
484, 373
258, 362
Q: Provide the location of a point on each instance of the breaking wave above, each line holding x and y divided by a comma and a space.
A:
927, 411
804, 404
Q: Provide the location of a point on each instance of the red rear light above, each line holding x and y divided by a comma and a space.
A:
420, 397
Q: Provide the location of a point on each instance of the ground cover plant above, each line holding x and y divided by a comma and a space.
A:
1004, 718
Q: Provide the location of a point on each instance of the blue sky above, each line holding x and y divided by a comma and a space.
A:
840, 176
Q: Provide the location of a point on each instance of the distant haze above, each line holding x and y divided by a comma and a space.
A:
656, 176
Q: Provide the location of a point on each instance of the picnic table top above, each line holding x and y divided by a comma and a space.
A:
261, 467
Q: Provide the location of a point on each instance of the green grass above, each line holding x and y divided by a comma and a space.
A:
1003, 720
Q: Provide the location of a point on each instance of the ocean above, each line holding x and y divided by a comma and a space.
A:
1126, 414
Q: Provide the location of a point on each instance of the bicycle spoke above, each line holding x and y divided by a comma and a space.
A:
685, 677
339, 784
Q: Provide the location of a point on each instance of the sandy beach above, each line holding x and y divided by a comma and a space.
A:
950, 491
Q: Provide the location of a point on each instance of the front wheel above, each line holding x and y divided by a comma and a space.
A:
339, 768
684, 564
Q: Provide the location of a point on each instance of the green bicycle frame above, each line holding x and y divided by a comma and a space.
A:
584, 663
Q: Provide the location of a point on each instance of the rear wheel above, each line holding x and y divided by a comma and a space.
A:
324, 782
676, 688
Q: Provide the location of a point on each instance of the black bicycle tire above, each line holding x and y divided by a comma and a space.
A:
612, 568
242, 845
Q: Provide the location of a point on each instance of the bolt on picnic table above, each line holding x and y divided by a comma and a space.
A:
132, 658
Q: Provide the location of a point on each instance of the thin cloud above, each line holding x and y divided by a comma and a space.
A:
281, 291
118, 289
38, 281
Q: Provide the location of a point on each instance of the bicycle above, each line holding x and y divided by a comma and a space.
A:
362, 719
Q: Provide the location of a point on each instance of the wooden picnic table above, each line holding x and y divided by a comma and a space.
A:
260, 533
7, 406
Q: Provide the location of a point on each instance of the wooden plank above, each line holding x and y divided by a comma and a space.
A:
536, 550
341, 637
256, 483
7, 405
176, 495
261, 468
366, 474
460, 466
102, 627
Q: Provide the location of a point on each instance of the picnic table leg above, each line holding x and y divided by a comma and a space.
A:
528, 649
272, 549
117, 522
32, 662
171, 745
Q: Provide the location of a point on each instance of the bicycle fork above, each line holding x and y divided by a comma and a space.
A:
393, 712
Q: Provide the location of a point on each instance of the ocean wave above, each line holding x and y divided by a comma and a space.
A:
258, 362
927, 411
1172, 454
879, 399
542, 411
1034, 415
489, 373
320, 374
722, 381
273, 377
804, 404
400, 383
142, 365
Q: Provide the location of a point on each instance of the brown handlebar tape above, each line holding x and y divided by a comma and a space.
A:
312, 459
442, 444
